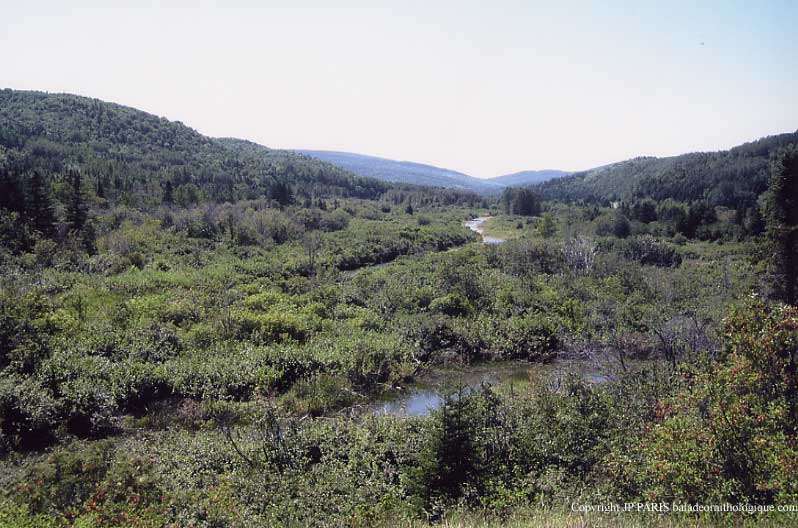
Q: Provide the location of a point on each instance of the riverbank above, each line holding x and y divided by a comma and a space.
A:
478, 225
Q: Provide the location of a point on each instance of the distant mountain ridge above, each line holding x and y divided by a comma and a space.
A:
529, 177
421, 174
403, 171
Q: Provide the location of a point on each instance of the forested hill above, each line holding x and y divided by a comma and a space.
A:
733, 178
132, 155
404, 171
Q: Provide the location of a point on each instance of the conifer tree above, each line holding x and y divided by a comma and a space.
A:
40, 212
11, 196
781, 214
168, 193
100, 188
76, 213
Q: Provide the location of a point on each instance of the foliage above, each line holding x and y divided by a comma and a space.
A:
730, 434
781, 211
649, 251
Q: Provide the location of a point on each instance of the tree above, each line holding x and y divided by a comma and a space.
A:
698, 214
729, 434
620, 226
76, 207
311, 242
168, 193
11, 196
520, 201
547, 226
449, 461
40, 212
100, 190
644, 211
781, 214
281, 192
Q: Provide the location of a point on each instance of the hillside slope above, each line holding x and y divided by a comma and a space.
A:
404, 171
133, 152
733, 178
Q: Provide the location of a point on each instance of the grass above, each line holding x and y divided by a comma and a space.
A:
506, 227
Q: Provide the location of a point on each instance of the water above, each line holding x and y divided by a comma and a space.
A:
427, 395
417, 403
476, 226
487, 239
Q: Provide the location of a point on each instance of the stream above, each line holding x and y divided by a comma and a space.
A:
476, 226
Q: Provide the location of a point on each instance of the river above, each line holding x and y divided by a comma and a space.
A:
476, 226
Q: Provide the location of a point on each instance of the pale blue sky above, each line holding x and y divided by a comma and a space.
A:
483, 87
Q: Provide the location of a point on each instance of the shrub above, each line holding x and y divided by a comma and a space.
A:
436, 337
24, 324
366, 358
730, 435
649, 251
82, 388
274, 326
452, 304
531, 336
319, 394
28, 414
66, 478
13, 515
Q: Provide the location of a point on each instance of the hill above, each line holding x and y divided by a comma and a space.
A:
132, 153
732, 178
404, 171
528, 177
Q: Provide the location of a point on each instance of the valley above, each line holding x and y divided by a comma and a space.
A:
209, 332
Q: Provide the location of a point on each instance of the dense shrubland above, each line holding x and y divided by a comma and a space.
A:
179, 357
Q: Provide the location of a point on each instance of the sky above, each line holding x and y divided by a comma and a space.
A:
485, 88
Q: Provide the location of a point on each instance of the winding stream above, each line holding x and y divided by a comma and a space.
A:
476, 226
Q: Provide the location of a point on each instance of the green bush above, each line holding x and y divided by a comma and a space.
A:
319, 394
438, 337
649, 251
452, 304
273, 326
531, 336
65, 479
729, 436
28, 414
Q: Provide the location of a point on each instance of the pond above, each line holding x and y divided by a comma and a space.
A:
426, 395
